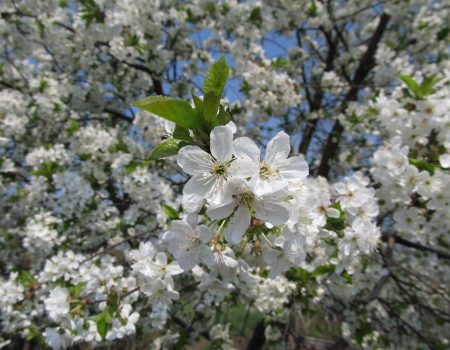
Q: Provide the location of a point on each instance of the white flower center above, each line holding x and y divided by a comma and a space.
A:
266, 172
220, 169
247, 197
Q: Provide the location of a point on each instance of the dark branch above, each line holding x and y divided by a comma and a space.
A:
424, 248
366, 64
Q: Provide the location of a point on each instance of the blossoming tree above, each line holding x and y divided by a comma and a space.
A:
183, 172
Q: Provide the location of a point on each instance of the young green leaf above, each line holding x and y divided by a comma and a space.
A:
182, 133
422, 165
256, 17
410, 83
171, 212
26, 279
197, 102
167, 148
177, 111
210, 108
104, 323
223, 117
216, 78
422, 90
427, 85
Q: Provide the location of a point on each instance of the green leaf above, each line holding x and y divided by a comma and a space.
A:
216, 78
422, 90
77, 289
422, 165
25, 278
210, 108
442, 34
410, 83
245, 88
323, 270
255, 17
348, 278
104, 323
182, 133
167, 148
197, 101
336, 224
120, 146
279, 63
171, 213
353, 120
177, 111
91, 12
297, 274
73, 127
47, 170
311, 10
224, 116
85, 156
35, 335
131, 166
214, 84
426, 88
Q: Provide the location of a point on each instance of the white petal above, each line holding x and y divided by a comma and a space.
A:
295, 168
179, 244
220, 212
274, 213
161, 258
169, 126
228, 261
195, 191
263, 188
280, 266
193, 160
235, 186
174, 269
231, 126
179, 226
246, 148
238, 224
278, 148
191, 219
274, 190
168, 235
333, 213
243, 167
222, 143
168, 283
205, 233
340, 188
445, 161
207, 256
189, 259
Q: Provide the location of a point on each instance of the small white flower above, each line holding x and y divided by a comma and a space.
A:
146, 252
276, 168
57, 304
189, 246
210, 171
160, 268
161, 291
55, 339
240, 199
445, 161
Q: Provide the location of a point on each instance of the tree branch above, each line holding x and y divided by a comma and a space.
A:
424, 248
366, 64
